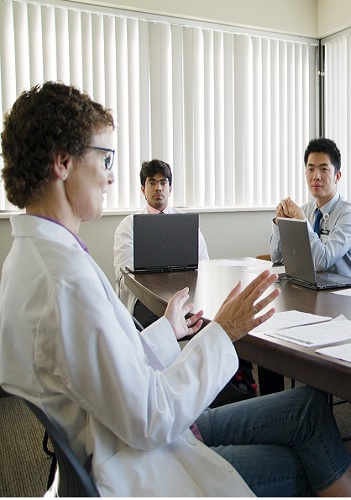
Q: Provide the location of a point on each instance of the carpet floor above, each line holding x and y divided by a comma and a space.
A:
24, 466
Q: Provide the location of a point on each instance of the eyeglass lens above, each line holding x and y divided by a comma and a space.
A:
108, 157
109, 160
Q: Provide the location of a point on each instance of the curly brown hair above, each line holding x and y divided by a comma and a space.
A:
45, 120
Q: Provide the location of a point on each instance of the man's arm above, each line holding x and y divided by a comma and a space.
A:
203, 253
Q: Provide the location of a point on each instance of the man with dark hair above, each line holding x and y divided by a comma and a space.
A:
150, 168
327, 146
156, 186
329, 216
329, 227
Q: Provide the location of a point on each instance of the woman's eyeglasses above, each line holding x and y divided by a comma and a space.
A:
108, 158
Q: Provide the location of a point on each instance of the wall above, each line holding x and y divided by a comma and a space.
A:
333, 16
228, 234
282, 16
311, 18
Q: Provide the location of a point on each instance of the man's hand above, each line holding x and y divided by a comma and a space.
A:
238, 313
288, 209
176, 311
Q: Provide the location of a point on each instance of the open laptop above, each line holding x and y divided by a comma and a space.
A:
165, 242
298, 261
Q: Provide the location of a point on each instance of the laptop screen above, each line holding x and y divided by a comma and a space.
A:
166, 242
296, 249
298, 260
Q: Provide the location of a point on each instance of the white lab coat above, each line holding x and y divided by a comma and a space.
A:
123, 256
68, 345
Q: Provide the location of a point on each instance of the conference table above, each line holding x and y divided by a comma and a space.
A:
208, 287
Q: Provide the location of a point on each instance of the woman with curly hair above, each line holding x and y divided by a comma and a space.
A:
68, 345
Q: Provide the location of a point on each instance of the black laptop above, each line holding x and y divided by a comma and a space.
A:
298, 261
165, 242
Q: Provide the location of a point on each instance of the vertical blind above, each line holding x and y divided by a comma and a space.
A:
337, 103
231, 112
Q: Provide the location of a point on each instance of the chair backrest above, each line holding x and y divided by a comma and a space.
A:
74, 480
263, 257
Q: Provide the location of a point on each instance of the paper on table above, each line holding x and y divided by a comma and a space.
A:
278, 269
242, 262
317, 334
289, 319
343, 291
337, 351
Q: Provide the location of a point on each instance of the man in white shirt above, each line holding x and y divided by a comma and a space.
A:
156, 186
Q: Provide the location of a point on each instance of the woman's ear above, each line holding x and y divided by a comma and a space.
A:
62, 165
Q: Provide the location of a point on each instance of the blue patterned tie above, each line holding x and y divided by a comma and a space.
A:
317, 221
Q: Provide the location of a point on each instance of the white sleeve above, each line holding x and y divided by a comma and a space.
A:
98, 358
275, 247
203, 253
122, 257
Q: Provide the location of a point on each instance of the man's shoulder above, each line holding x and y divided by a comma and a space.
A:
126, 224
344, 204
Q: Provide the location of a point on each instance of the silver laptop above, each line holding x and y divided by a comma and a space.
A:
165, 242
298, 261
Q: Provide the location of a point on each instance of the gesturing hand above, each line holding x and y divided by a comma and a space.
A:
176, 311
238, 313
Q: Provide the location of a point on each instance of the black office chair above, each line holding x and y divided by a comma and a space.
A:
138, 325
74, 479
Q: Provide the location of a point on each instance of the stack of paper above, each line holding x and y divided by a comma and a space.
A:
310, 330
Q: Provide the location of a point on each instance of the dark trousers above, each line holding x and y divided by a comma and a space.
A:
143, 314
269, 381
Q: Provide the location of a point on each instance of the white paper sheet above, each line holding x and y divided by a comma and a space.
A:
289, 319
242, 262
337, 351
317, 334
343, 291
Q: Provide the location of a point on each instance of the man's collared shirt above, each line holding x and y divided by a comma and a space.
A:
152, 210
332, 251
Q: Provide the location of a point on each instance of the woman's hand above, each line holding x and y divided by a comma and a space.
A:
238, 313
176, 311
